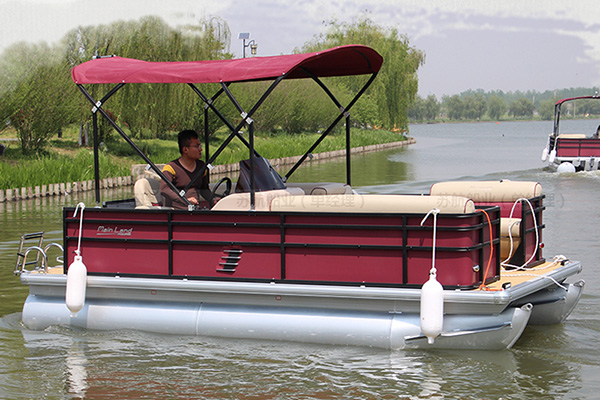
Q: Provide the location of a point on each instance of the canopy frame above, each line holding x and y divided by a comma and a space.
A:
298, 73
558, 106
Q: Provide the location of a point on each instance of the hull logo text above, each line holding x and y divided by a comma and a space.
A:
113, 231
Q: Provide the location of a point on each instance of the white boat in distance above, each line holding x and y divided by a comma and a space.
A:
572, 151
459, 268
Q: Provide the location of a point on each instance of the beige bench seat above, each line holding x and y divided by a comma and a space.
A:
374, 204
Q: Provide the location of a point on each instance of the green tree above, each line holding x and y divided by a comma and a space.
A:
366, 112
454, 106
424, 109
521, 107
396, 86
496, 107
150, 111
546, 109
38, 100
416, 111
475, 106
431, 108
587, 107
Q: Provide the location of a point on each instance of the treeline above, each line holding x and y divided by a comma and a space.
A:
38, 98
498, 105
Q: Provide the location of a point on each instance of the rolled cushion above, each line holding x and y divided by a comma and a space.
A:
488, 191
514, 224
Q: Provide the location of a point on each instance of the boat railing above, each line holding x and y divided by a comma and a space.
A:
373, 240
37, 238
521, 205
40, 264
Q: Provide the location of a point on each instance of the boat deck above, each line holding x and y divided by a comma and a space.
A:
518, 276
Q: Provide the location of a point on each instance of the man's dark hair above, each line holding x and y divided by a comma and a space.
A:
185, 137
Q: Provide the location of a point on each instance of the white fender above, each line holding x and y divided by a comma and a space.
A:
76, 285
545, 154
565, 168
432, 308
552, 156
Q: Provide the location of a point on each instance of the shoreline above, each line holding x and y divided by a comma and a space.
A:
66, 188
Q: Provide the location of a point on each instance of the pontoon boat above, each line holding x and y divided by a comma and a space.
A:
460, 267
572, 151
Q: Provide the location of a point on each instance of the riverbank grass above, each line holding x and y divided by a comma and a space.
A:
65, 161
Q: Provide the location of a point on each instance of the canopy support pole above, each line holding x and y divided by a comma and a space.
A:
208, 103
96, 158
98, 108
235, 131
344, 112
206, 141
252, 183
348, 152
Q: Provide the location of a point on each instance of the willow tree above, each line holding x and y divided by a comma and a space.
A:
36, 97
396, 86
150, 111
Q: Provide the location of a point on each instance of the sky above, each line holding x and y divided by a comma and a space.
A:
506, 45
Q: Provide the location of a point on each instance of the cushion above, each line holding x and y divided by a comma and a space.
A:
488, 191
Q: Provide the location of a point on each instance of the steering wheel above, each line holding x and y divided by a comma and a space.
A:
213, 192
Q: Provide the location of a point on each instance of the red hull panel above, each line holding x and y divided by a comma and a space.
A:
349, 265
105, 257
578, 148
329, 248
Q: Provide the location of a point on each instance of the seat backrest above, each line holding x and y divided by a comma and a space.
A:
265, 177
262, 200
147, 193
321, 188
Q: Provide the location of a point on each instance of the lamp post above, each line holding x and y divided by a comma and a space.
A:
252, 44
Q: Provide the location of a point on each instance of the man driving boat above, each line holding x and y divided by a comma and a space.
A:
181, 171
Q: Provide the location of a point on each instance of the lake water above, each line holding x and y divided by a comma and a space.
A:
557, 362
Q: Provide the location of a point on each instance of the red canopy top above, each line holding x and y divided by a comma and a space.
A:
338, 61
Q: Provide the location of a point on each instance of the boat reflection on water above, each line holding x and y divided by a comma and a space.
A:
135, 364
